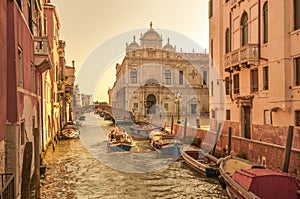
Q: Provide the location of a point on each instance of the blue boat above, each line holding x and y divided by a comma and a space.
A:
165, 143
119, 140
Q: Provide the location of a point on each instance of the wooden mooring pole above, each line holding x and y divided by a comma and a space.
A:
216, 138
184, 131
288, 149
229, 140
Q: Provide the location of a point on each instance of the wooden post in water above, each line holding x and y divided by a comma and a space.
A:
229, 140
172, 124
288, 149
184, 131
216, 138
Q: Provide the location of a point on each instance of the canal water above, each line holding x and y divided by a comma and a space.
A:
83, 168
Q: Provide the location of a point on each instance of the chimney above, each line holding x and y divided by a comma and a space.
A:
73, 64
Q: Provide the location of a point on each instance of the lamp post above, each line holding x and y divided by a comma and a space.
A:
178, 98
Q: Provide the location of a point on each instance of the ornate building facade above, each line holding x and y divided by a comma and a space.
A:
156, 80
255, 45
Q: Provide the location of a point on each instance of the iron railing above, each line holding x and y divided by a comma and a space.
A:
7, 190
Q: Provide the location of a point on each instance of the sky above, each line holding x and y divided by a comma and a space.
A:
90, 26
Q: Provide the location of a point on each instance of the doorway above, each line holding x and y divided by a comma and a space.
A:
246, 121
151, 101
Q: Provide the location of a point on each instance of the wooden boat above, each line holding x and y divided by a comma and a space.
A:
165, 143
142, 131
69, 132
200, 161
119, 140
245, 180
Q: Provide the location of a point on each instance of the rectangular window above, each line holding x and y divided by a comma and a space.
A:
166, 107
297, 118
210, 8
267, 117
193, 108
227, 86
45, 25
297, 71
227, 114
33, 78
181, 77
266, 78
135, 106
213, 114
22, 132
212, 88
20, 68
253, 81
236, 83
296, 14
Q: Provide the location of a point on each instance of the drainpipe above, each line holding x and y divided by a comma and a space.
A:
259, 30
42, 111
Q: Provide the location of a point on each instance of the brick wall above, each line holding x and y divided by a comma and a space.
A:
267, 143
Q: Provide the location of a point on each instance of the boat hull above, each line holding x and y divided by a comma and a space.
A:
245, 180
119, 147
209, 169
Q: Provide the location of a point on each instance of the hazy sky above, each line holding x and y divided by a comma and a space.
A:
85, 25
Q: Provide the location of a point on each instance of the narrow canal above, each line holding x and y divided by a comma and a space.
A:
82, 168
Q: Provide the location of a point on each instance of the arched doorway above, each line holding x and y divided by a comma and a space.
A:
151, 101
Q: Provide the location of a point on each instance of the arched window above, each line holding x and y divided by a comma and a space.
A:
265, 17
244, 29
133, 76
227, 40
168, 77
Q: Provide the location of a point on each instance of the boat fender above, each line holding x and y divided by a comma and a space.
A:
222, 181
219, 161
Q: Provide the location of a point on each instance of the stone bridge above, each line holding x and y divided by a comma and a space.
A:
77, 111
113, 112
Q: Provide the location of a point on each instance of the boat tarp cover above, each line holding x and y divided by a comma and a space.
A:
267, 183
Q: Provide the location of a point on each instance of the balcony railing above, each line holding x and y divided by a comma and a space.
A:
7, 186
247, 54
42, 53
233, 3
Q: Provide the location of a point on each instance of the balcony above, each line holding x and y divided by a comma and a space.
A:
245, 56
233, 3
42, 54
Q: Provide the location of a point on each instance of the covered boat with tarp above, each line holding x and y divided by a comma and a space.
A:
243, 179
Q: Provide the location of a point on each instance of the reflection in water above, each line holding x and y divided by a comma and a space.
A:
74, 173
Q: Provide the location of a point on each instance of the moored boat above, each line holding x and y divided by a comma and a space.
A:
70, 131
245, 180
142, 131
119, 140
200, 161
165, 143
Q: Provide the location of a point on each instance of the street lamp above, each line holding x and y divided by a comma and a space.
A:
178, 98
